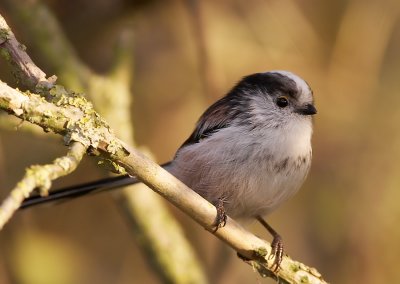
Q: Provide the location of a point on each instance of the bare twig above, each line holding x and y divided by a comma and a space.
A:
40, 177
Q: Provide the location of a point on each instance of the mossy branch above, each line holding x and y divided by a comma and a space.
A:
165, 245
68, 117
135, 163
73, 117
40, 177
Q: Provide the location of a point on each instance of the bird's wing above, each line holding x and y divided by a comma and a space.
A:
217, 116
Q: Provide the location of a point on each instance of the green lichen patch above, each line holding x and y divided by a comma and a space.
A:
304, 279
112, 166
5, 54
90, 129
295, 267
4, 35
261, 252
261, 269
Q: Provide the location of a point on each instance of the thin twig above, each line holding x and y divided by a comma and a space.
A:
40, 177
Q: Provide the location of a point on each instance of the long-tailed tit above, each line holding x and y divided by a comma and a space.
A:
250, 151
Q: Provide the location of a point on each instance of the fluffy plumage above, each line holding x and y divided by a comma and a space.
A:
246, 149
251, 149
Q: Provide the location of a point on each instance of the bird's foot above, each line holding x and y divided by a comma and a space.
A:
276, 245
221, 218
276, 252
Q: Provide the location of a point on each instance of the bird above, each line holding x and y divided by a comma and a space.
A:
250, 151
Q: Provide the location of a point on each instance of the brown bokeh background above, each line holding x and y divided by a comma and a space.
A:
187, 54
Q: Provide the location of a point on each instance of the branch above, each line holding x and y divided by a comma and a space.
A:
39, 25
40, 177
69, 115
73, 117
245, 243
161, 237
22, 65
168, 252
160, 181
12, 124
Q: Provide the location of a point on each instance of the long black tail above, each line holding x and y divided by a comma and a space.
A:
79, 190
83, 189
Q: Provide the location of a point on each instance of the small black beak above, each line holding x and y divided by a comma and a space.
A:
308, 109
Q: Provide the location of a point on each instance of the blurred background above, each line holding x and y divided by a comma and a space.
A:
185, 55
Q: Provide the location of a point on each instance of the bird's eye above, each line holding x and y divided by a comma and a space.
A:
282, 102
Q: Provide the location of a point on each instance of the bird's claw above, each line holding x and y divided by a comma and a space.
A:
221, 218
277, 246
276, 253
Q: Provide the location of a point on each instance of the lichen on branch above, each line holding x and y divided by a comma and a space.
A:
69, 114
40, 177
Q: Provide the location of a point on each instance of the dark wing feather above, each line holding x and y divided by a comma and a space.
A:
217, 116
